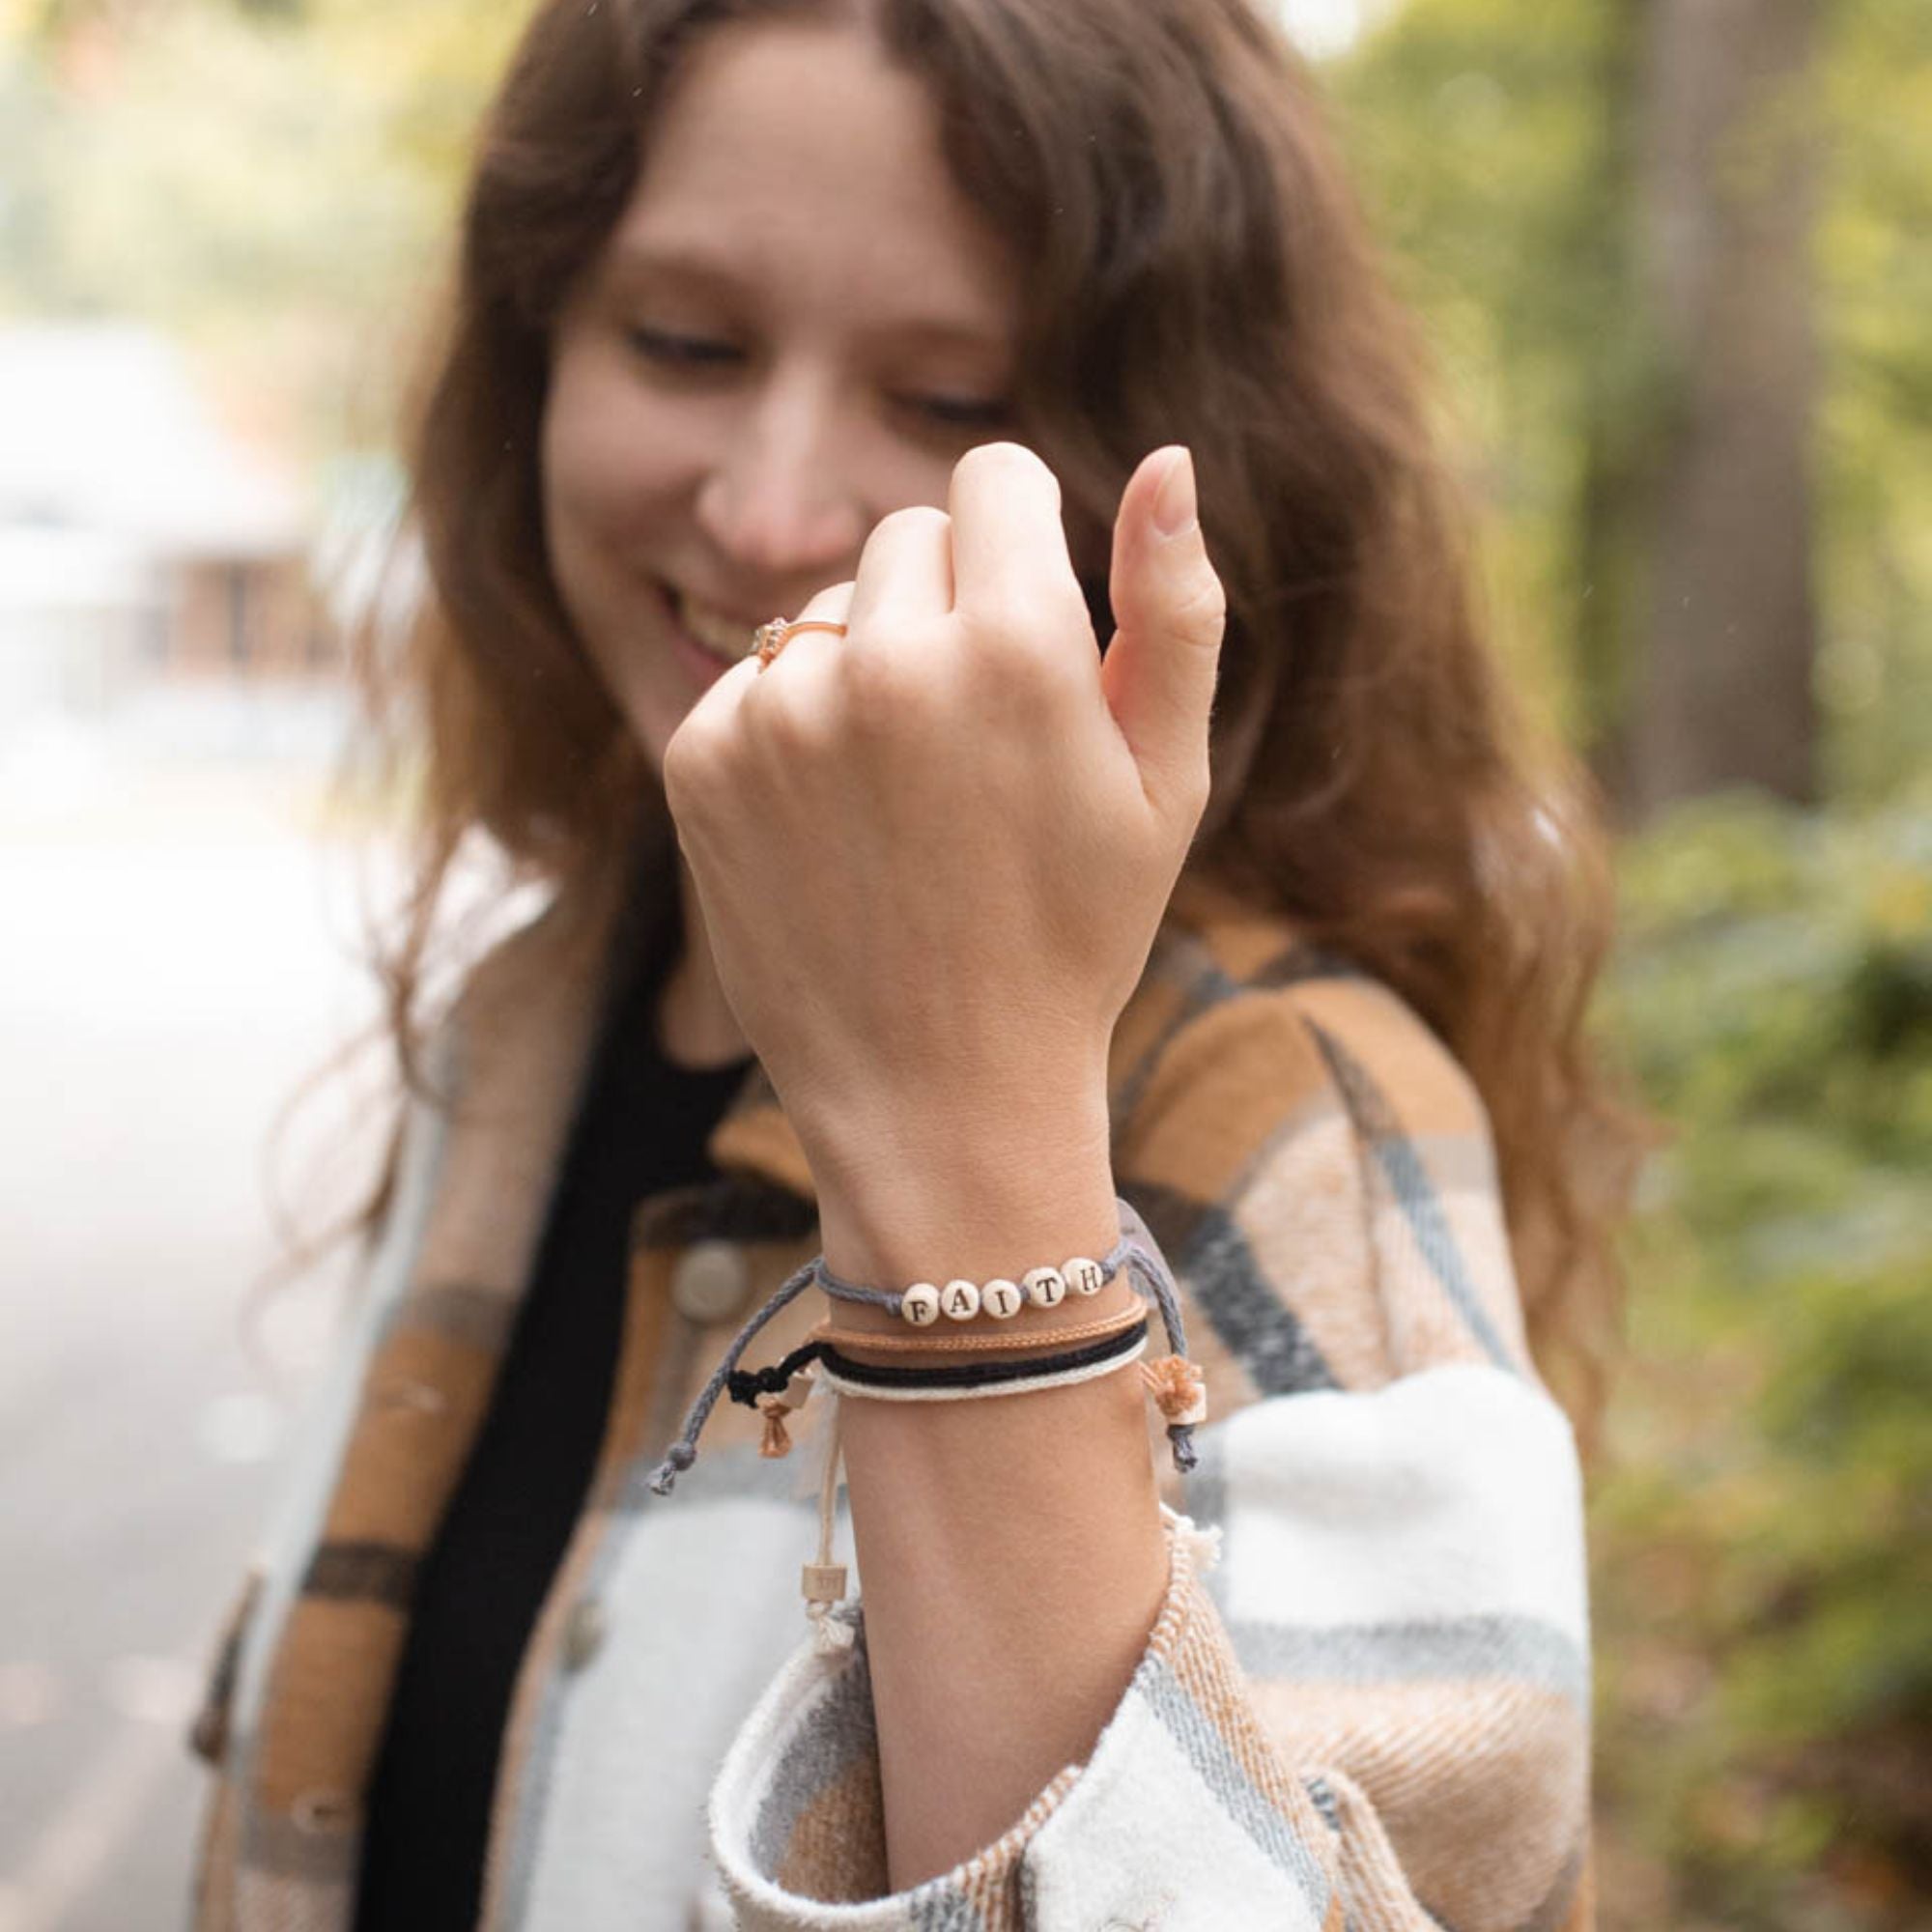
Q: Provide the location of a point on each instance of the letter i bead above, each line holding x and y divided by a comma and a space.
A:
1002, 1299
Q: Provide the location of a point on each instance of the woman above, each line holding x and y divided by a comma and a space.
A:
940, 943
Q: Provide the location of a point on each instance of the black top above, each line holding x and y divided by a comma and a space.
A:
641, 1127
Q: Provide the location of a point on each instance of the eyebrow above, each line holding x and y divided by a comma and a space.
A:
697, 267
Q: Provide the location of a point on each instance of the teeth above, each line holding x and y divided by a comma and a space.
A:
714, 632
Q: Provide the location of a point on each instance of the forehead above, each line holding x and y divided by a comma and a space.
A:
792, 164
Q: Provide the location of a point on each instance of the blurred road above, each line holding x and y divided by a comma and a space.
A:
175, 954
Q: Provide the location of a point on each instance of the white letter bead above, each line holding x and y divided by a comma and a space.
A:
919, 1304
961, 1300
1045, 1287
1002, 1299
1084, 1277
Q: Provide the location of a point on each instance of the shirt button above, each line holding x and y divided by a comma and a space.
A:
710, 1281
584, 1633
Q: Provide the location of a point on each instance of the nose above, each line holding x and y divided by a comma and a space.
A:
780, 502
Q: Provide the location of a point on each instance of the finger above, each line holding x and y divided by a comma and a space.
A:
831, 605
1160, 669
905, 574
828, 606
1009, 551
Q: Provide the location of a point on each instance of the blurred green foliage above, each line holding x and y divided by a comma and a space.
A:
1763, 1531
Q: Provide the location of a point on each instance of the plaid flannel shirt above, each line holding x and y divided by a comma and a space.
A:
1366, 1699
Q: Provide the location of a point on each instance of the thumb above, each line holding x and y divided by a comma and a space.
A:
1158, 672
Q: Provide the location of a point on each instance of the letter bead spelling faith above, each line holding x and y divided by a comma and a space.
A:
1002, 1299
1045, 1287
1085, 1277
919, 1304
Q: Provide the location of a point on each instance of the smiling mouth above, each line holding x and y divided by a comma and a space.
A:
722, 637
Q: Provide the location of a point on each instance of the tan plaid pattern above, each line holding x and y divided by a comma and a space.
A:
1376, 1707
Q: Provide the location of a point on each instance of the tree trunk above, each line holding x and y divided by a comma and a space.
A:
1727, 158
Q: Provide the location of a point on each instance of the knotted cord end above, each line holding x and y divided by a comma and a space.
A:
679, 1458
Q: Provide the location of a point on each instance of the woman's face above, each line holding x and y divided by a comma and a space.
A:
798, 325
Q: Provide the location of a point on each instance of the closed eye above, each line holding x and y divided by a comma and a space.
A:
671, 349
961, 412
689, 352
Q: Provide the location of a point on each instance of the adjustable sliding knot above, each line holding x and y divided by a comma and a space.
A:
745, 1385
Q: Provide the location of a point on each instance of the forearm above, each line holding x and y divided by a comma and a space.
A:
1011, 1547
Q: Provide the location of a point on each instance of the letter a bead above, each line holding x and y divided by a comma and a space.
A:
1002, 1299
919, 1304
1084, 1277
1045, 1287
961, 1300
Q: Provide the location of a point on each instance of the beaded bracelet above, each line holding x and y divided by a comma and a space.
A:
1178, 1387
921, 1304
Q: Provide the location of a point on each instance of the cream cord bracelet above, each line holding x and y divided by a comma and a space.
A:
956, 1381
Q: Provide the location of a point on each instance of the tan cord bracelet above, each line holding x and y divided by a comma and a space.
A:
934, 1345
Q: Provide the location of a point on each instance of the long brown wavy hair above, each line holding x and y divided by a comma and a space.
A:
1195, 270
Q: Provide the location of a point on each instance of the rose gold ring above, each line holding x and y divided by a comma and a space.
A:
771, 639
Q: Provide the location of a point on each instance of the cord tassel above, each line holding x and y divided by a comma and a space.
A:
1178, 1388
822, 1581
795, 1394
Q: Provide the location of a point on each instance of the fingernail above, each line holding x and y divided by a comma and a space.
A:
1174, 505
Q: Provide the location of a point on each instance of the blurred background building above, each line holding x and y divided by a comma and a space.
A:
1673, 261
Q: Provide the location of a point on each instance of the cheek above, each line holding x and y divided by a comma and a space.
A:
595, 488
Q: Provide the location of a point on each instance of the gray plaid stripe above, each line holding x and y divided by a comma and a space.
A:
840, 1731
1402, 1167
1212, 1258
478, 1316
1217, 1767
381, 1573
1522, 1649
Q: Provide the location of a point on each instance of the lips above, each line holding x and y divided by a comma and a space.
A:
720, 634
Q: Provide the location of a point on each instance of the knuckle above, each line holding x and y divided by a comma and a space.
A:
879, 687
998, 458
1201, 612
795, 730
911, 519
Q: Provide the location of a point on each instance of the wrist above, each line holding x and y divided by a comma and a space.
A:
979, 1219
